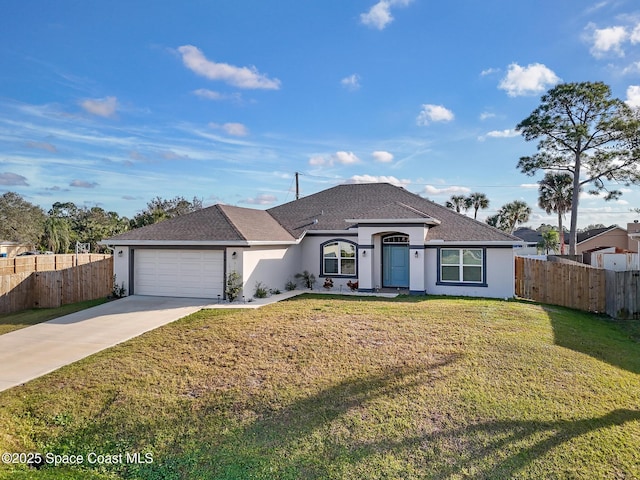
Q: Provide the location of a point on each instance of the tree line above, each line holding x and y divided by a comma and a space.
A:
66, 224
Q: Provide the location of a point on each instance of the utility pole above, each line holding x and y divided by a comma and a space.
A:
297, 187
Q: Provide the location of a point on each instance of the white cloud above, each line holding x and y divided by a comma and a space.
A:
447, 191
632, 69
605, 40
343, 158
317, 160
241, 77
217, 96
378, 179
9, 178
635, 35
508, 133
529, 185
103, 107
382, 156
489, 71
262, 199
633, 96
235, 129
434, 113
487, 115
530, 80
379, 16
352, 82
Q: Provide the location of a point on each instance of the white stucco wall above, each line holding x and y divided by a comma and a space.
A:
500, 269
121, 266
272, 266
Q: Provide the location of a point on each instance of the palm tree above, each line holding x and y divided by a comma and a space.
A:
476, 201
514, 213
57, 234
457, 203
554, 195
510, 215
549, 241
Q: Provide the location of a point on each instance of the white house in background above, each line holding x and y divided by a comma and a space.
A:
378, 235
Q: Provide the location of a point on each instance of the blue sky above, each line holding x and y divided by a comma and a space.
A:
112, 103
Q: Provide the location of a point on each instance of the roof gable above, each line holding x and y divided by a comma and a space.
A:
596, 232
202, 225
255, 225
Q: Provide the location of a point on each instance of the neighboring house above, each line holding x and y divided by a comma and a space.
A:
613, 236
616, 248
378, 235
11, 249
532, 238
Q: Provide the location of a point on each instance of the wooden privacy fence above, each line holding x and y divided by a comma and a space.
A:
623, 294
92, 278
558, 283
45, 263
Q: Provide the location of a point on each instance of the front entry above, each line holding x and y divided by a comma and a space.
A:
395, 261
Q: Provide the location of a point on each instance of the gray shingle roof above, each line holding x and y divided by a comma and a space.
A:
217, 223
325, 210
255, 225
328, 210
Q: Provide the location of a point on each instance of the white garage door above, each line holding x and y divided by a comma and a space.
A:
179, 273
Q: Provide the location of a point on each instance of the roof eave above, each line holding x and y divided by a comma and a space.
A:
475, 242
197, 243
396, 221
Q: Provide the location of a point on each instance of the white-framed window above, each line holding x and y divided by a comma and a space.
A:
462, 265
339, 258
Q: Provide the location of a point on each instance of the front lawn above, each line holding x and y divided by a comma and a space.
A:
344, 388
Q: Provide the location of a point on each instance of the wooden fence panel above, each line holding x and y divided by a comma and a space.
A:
25, 264
16, 292
623, 294
558, 283
7, 266
44, 263
53, 288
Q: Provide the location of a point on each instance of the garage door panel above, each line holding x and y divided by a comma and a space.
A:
186, 273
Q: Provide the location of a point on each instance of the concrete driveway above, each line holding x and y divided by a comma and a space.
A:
34, 351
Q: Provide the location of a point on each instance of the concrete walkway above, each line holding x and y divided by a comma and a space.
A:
33, 351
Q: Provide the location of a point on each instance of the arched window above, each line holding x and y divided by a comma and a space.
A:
398, 238
339, 258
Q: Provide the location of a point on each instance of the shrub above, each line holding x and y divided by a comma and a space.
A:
261, 291
234, 286
308, 278
118, 291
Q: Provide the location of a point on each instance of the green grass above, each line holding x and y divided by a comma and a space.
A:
346, 388
26, 318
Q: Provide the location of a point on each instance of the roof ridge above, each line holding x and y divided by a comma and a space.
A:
229, 221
